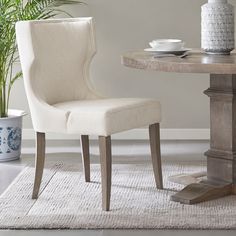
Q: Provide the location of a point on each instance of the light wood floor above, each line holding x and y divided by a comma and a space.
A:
123, 152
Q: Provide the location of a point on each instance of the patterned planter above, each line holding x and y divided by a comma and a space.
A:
217, 27
10, 136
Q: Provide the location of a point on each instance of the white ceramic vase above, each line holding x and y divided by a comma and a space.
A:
217, 27
10, 135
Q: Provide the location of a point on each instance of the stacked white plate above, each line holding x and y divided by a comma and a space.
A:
167, 46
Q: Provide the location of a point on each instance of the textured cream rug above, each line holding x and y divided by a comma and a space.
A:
67, 202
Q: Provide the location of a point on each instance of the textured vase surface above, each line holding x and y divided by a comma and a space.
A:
217, 27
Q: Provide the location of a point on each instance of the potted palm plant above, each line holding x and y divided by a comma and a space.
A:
12, 11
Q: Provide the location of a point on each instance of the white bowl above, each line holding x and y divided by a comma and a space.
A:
167, 44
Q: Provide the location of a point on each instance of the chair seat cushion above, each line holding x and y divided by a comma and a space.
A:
104, 117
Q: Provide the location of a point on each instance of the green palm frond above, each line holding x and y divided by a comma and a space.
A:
12, 11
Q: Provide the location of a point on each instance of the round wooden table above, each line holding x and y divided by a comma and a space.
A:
221, 157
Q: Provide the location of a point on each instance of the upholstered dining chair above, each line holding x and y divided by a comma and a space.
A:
55, 58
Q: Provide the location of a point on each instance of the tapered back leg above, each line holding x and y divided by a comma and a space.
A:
154, 133
105, 156
39, 163
84, 141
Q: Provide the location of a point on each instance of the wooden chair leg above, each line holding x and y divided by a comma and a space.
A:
105, 156
154, 134
84, 140
39, 163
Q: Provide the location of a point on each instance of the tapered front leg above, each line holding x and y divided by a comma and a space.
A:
84, 140
105, 156
154, 133
39, 163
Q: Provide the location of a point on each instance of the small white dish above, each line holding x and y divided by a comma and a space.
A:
175, 52
167, 44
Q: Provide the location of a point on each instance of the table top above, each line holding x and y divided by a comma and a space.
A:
196, 62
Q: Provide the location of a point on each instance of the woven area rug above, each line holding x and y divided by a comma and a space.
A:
67, 202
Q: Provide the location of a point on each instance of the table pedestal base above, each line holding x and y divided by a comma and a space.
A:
221, 157
200, 192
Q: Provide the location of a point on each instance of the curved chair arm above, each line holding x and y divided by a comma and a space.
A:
45, 117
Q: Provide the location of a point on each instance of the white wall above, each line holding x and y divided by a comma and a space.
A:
129, 25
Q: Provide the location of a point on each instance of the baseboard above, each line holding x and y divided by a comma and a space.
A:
136, 134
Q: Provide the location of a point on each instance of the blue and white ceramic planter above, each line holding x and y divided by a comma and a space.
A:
10, 135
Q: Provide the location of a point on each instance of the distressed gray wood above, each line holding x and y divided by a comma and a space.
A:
221, 157
84, 140
196, 62
200, 192
39, 163
154, 133
105, 158
222, 154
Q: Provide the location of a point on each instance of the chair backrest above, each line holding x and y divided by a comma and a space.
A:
55, 57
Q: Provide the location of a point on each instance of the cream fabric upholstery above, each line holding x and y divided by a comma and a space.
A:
55, 57
109, 116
